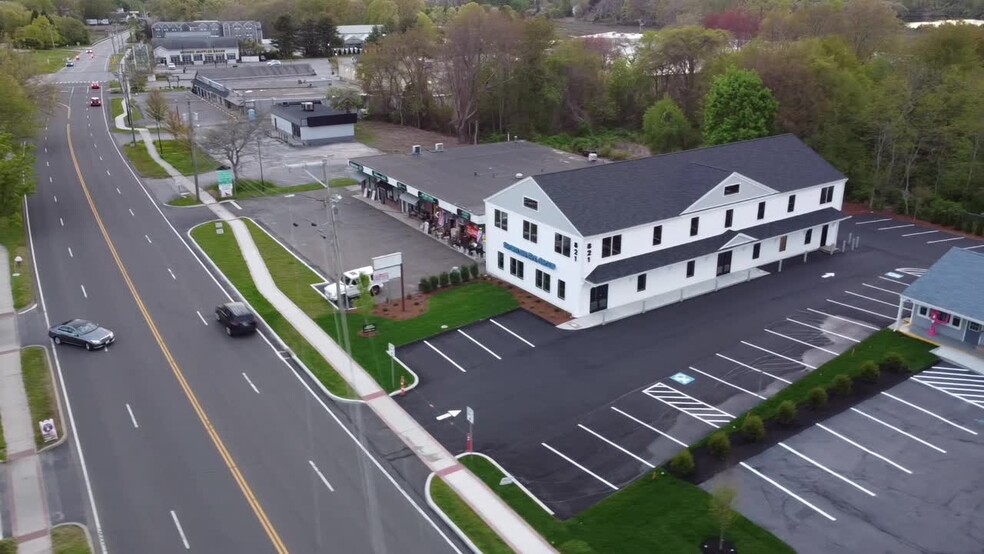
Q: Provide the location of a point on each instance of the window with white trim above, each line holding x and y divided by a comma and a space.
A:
562, 245
515, 268
641, 283
542, 281
529, 231
611, 246
502, 220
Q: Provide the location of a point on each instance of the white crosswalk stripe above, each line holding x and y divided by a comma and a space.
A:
689, 405
962, 383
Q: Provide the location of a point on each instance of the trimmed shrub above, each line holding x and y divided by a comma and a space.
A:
683, 463
444, 279
786, 412
842, 385
465, 275
816, 398
869, 372
474, 270
720, 445
425, 285
434, 282
455, 277
893, 362
753, 428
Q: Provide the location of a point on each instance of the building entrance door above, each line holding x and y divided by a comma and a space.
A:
823, 236
724, 263
972, 335
599, 298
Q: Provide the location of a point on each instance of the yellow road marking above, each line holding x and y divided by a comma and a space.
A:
202, 416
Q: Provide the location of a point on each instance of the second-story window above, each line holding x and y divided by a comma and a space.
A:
761, 211
694, 226
502, 220
657, 235
729, 217
827, 195
611, 246
562, 245
529, 231
792, 203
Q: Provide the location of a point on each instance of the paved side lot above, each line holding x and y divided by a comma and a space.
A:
898, 473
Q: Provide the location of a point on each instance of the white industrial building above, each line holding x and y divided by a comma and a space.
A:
312, 123
196, 50
643, 233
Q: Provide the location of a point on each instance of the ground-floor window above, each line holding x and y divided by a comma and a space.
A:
923, 310
691, 266
561, 289
756, 250
782, 243
973, 325
542, 281
598, 298
501, 259
515, 268
809, 236
641, 283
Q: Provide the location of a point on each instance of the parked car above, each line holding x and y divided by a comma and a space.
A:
94, 86
350, 284
81, 332
236, 318
95, 102
171, 66
273, 62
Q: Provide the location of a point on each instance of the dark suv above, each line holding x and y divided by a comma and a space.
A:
236, 318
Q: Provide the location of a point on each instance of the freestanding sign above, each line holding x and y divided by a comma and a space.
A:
225, 182
390, 266
48, 431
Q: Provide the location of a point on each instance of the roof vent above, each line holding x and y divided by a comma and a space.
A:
415, 150
592, 157
439, 147
307, 106
519, 175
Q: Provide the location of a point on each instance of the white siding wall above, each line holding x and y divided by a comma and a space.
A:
326, 131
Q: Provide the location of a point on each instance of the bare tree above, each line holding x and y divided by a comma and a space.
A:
157, 109
344, 99
232, 140
176, 126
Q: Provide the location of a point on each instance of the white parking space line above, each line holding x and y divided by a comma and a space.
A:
506, 329
828, 470
688, 405
893, 280
945, 379
732, 360
84, 294
873, 453
804, 364
238, 207
62, 221
801, 342
321, 476
881, 289
640, 460
896, 227
70, 254
256, 390
443, 355
872, 221
482, 346
650, 427
897, 430
201, 317
55, 197
858, 323
927, 412
148, 239
579, 466
727, 383
823, 330
944, 240
131, 212
948, 393
973, 247
894, 305
184, 540
787, 491
919, 233
860, 309
118, 190
172, 274
132, 418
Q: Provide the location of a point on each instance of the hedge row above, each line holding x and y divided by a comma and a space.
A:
446, 279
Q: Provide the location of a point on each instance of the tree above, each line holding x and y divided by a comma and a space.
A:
344, 99
175, 125
285, 36
231, 141
868, 25
738, 107
674, 58
16, 174
40, 33
382, 12
72, 30
666, 128
722, 510
157, 108
318, 37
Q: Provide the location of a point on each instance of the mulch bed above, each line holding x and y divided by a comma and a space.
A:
707, 465
540, 308
862, 209
715, 546
416, 305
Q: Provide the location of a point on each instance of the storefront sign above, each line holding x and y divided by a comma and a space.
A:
401, 186
355, 165
380, 176
464, 215
225, 182
529, 256
427, 198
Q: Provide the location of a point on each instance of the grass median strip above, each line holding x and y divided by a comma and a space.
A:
40, 390
13, 236
69, 539
174, 153
466, 519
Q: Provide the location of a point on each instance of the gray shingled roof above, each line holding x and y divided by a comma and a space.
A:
222, 74
620, 195
692, 250
180, 43
954, 283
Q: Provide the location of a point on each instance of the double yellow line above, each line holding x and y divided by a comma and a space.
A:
202, 416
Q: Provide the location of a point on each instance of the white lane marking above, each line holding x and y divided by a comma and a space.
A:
822, 330
118, 190
108, 173
803, 342
958, 369
55, 197
100, 158
148, 239
443, 355
47, 163
927, 412
893, 280
787, 491
131, 212
45, 149
727, 383
858, 323
321, 475
872, 221
238, 207
172, 274
919, 233
62, 221
873, 453
732, 360
944, 240
881, 289
894, 305
828, 470
256, 390
579, 466
469, 337
132, 418
504, 328
650, 427
51, 180
83, 291
70, 255
640, 460
896, 227
860, 309
804, 364
184, 540
973, 247
897, 430
201, 317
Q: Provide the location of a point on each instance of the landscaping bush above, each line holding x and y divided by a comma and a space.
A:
869, 372
465, 275
455, 277
753, 428
425, 285
893, 362
683, 463
444, 278
434, 282
786, 413
816, 398
719, 444
841, 385
474, 270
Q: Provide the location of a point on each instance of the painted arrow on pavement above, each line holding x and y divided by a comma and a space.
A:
827, 275
450, 413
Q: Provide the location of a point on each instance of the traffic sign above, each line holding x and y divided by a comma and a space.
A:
225, 182
469, 414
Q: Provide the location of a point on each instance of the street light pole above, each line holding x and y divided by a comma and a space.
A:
194, 159
126, 98
259, 156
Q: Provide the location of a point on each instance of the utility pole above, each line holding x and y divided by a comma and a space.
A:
126, 98
330, 208
191, 140
259, 156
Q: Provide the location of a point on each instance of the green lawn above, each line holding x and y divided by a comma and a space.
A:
182, 201
342, 182
248, 188
661, 515
50, 61
117, 104
173, 153
13, 236
466, 519
142, 162
40, 390
8, 546
69, 539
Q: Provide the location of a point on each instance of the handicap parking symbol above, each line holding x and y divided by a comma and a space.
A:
682, 378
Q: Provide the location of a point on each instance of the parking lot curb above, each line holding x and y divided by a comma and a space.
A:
444, 517
515, 481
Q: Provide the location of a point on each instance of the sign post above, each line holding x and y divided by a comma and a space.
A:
470, 416
225, 182
390, 265
391, 350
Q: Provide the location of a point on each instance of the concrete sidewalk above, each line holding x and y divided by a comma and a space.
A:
497, 514
25, 494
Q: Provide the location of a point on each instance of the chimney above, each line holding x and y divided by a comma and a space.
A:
415, 150
307, 106
592, 157
439, 147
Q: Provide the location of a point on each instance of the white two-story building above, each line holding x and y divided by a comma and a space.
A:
653, 231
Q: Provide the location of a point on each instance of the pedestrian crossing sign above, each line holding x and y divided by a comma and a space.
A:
682, 378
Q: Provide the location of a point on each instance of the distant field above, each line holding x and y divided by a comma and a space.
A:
51, 61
